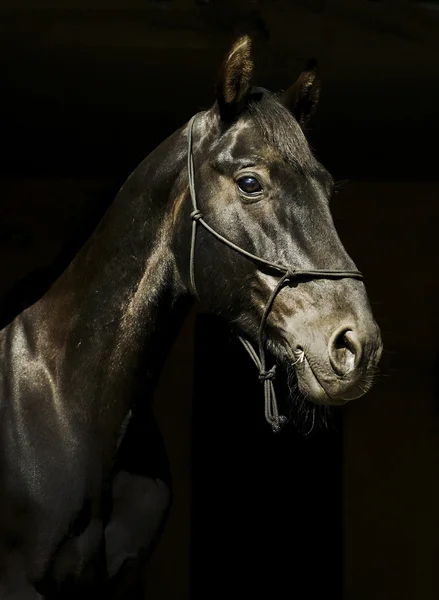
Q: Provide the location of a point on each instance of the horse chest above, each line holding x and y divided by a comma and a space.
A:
49, 492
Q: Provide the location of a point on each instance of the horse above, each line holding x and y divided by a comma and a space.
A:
233, 209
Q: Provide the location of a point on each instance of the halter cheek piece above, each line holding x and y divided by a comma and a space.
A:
287, 274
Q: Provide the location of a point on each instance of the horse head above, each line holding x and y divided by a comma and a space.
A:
259, 186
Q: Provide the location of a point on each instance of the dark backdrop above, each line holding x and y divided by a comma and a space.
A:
266, 508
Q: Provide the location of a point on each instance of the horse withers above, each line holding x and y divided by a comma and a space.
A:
84, 485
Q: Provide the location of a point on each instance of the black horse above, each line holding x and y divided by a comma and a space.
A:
83, 495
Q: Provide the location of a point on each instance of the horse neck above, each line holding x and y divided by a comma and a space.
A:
118, 306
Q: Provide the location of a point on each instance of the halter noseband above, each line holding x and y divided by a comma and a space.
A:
288, 274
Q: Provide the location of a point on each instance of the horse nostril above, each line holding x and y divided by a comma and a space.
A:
345, 351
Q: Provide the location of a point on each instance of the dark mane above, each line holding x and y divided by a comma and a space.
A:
281, 130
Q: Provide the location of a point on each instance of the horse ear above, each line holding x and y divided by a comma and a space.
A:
235, 77
303, 96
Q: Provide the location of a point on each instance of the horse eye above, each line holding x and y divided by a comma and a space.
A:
249, 185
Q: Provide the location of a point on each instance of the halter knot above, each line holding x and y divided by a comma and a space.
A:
278, 424
268, 375
196, 215
290, 274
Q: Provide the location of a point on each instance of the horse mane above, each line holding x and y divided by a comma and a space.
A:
281, 130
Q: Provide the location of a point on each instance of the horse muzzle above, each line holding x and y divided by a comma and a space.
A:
340, 370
